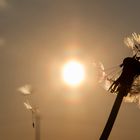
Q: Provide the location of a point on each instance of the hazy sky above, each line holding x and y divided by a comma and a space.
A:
36, 38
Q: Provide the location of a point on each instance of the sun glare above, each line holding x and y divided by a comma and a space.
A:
73, 73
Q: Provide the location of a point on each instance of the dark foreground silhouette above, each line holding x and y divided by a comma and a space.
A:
130, 71
121, 86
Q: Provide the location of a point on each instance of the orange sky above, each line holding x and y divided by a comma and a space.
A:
35, 40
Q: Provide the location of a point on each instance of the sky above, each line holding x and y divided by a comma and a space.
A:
36, 38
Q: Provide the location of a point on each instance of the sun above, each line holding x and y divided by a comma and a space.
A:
73, 73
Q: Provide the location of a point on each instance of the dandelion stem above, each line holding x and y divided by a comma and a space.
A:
37, 128
113, 115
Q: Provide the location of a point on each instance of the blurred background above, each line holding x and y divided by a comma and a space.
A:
37, 37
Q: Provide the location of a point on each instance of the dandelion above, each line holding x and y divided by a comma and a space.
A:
126, 85
26, 90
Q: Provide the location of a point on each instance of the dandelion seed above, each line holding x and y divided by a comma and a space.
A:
129, 42
26, 90
28, 106
136, 37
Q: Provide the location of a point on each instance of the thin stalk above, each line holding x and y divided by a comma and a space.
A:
37, 127
113, 115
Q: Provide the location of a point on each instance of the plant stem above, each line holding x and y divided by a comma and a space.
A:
113, 115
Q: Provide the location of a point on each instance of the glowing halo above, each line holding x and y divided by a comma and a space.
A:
73, 73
